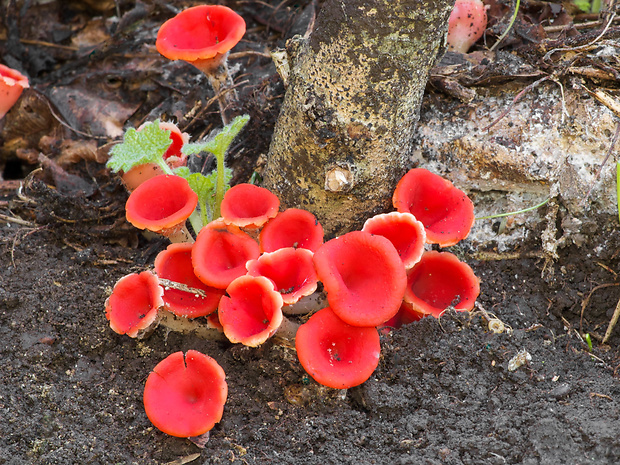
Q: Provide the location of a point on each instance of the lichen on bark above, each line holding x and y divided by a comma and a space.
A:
344, 132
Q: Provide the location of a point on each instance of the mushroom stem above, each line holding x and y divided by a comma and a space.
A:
181, 235
216, 71
222, 85
288, 329
308, 304
187, 326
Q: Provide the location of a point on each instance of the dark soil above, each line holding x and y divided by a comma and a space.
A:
71, 389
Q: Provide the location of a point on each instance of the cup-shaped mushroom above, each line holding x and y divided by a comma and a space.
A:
293, 227
12, 84
162, 204
185, 396
291, 271
440, 280
363, 276
252, 311
249, 206
133, 306
175, 264
446, 211
221, 252
201, 35
403, 230
334, 353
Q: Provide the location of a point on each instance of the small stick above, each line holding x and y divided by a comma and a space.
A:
612, 323
182, 287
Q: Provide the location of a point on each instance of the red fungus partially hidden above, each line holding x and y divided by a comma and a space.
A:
12, 84
252, 312
185, 398
291, 228
162, 204
440, 280
203, 35
334, 353
403, 230
249, 206
405, 315
221, 252
363, 276
291, 271
173, 157
466, 25
134, 303
175, 264
446, 211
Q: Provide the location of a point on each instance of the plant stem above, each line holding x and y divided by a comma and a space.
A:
512, 20
220, 185
500, 215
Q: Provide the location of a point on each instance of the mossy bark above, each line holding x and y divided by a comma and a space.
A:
353, 100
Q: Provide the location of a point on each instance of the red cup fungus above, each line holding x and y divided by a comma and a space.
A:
221, 252
133, 306
336, 354
293, 227
252, 311
162, 204
403, 230
363, 276
12, 84
249, 206
446, 211
440, 280
185, 396
466, 25
175, 264
291, 271
202, 36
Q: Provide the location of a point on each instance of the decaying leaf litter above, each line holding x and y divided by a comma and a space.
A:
443, 391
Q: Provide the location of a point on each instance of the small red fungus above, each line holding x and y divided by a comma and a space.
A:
291, 228
185, 397
336, 354
252, 312
203, 35
12, 84
175, 264
162, 204
134, 303
221, 252
446, 211
363, 276
403, 230
249, 206
466, 25
291, 271
440, 280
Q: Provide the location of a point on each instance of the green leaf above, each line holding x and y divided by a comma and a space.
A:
221, 141
139, 147
204, 187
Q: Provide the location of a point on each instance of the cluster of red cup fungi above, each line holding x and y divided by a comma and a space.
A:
247, 270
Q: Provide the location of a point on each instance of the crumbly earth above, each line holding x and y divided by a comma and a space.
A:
71, 389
